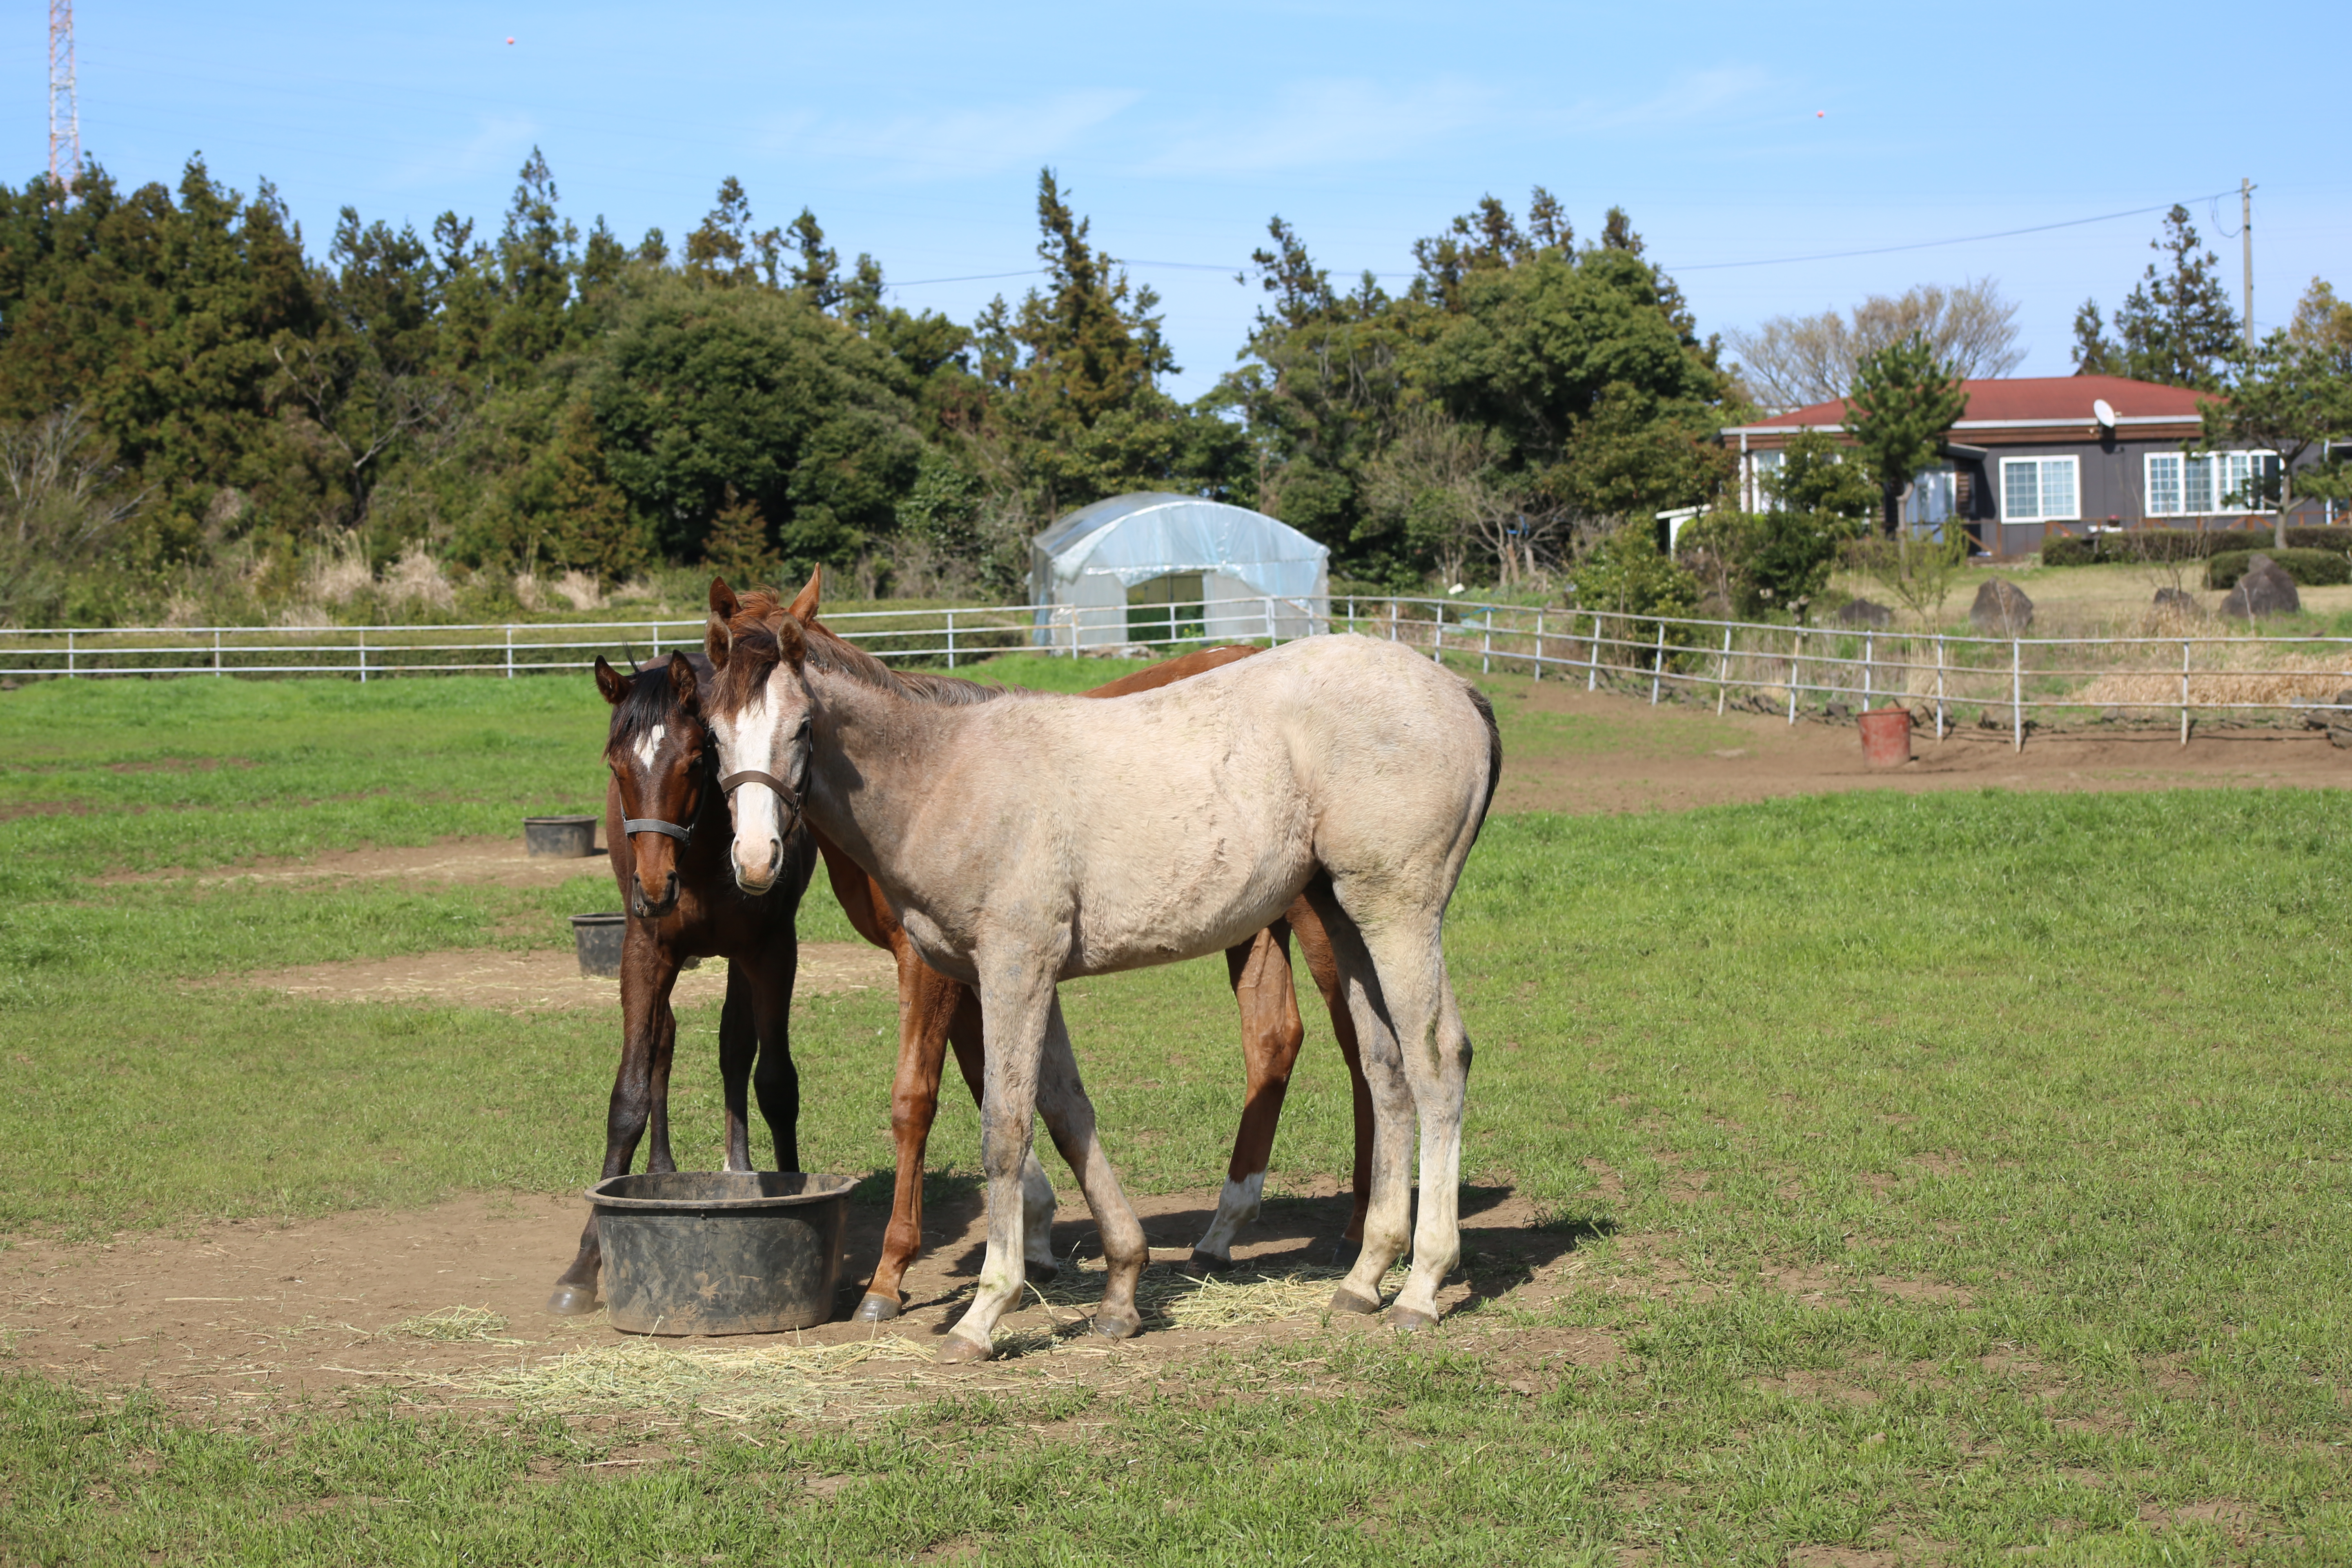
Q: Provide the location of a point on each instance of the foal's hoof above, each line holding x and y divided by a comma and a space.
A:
876, 1308
1040, 1273
573, 1300
1113, 1326
1346, 1301
957, 1351
1200, 1265
1411, 1320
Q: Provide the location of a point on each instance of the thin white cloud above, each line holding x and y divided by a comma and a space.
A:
1699, 95
1308, 124
502, 144
961, 143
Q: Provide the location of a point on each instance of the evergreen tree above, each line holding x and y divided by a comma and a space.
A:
536, 257
1903, 403
2176, 325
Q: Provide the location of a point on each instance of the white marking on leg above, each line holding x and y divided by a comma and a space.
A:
649, 745
1237, 1205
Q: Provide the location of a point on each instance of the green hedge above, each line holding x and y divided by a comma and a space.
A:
2309, 568
2183, 544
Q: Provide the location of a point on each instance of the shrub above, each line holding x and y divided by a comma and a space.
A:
2182, 544
2309, 568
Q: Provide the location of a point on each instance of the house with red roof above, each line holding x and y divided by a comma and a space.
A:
2038, 456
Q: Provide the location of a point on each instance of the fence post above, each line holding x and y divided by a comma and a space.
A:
1796, 657
652, 641
951, 639
1658, 664
1723, 673
1593, 655
2017, 694
362, 656
1269, 619
216, 662
69, 653
1487, 645
1939, 685
1392, 620
1437, 634
1540, 654
509, 653
1869, 650
2184, 692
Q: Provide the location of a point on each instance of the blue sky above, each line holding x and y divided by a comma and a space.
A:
1733, 134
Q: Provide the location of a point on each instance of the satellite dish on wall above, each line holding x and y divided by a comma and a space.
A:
2102, 413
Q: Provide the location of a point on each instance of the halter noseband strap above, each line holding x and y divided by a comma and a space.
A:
784, 791
654, 825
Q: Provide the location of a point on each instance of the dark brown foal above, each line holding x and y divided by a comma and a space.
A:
666, 820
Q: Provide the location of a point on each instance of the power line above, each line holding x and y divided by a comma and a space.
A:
1932, 244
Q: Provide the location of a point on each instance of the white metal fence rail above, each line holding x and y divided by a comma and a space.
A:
1790, 668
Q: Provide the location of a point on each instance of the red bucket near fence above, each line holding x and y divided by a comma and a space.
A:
1886, 737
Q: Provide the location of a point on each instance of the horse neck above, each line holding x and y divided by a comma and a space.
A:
875, 767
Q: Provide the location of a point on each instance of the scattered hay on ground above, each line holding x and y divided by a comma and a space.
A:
476, 1324
1246, 1295
733, 1384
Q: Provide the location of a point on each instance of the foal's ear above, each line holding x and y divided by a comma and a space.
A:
791, 645
804, 605
718, 640
681, 679
723, 603
609, 682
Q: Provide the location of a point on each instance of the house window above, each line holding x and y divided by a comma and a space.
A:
2199, 484
2038, 489
1766, 468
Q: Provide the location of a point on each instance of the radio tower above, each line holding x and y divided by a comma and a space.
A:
65, 109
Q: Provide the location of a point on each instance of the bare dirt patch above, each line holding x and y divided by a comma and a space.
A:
530, 982
251, 1312
1633, 757
497, 861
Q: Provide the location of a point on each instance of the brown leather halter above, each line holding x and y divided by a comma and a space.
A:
784, 791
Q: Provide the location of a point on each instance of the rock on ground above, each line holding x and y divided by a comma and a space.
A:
2265, 590
2002, 609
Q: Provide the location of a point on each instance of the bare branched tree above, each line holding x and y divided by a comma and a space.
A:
61, 502
1795, 361
1438, 479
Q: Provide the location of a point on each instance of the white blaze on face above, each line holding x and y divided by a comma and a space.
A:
649, 746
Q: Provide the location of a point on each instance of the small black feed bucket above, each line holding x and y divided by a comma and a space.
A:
598, 938
559, 837
719, 1252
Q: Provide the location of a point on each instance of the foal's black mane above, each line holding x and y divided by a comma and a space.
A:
652, 700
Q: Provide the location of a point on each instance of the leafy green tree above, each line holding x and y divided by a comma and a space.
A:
536, 257
2176, 327
700, 390
2294, 394
722, 252
1629, 576
1904, 402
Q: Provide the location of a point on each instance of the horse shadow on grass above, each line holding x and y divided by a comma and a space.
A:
1506, 1236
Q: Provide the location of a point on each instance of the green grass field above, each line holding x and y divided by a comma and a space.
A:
2078, 1059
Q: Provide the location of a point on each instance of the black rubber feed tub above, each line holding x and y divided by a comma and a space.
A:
559, 837
720, 1252
599, 938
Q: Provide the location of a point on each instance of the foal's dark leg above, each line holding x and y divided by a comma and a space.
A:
738, 1042
777, 1080
647, 1030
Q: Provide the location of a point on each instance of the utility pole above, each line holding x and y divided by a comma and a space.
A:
2246, 228
65, 106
